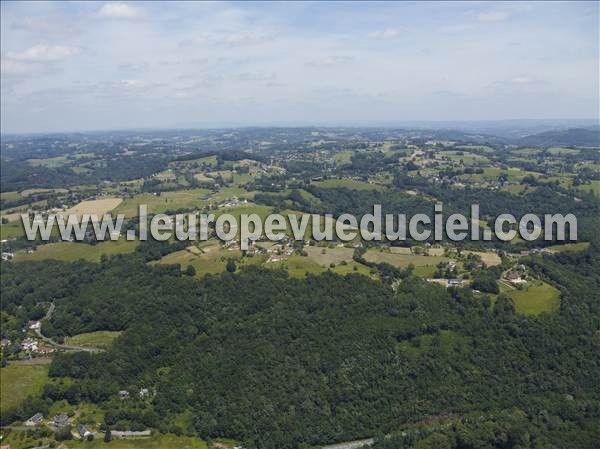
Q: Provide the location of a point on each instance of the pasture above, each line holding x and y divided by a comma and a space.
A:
98, 339
569, 247
167, 201
70, 251
347, 183
592, 186
211, 260
327, 256
19, 381
535, 298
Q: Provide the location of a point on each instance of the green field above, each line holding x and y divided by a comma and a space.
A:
98, 339
347, 183
467, 158
212, 259
492, 174
166, 201
536, 297
569, 247
12, 229
70, 251
592, 186
20, 381
51, 162
563, 151
10, 196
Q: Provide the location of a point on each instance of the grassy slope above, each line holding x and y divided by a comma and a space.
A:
99, 339
20, 381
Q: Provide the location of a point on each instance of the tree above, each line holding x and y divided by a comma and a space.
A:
190, 271
230, 265
107, 436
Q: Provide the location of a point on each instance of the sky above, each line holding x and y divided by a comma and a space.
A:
117, 65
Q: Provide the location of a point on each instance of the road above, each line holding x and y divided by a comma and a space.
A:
59, 345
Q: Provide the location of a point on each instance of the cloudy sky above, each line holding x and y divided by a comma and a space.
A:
87, 66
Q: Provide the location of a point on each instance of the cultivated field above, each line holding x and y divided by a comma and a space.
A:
403, 260
98, 207
489, 258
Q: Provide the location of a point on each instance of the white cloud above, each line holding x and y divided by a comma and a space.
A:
10, 67
522, 80
329, 62
119, 10
493, 16
228, 39
388, 33
43, 53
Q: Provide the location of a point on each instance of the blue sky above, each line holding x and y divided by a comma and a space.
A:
86, 66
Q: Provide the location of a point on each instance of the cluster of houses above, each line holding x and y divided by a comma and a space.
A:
32, 346
232, 202
59, 421
29, 345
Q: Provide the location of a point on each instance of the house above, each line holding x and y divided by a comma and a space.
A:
5, 342
454, 282
34, 420
7, 256
515, 278
83, 432
29, 344
60, 420
35, 325
144, 392
123, 394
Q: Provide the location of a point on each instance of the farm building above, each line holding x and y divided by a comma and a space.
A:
34, 420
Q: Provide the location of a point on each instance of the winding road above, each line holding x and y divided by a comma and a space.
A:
59, 345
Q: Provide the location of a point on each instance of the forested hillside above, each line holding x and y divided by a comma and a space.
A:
278, 362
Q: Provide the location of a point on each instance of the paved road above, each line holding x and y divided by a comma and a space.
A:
58, 345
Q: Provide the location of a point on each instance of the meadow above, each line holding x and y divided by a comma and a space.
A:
98, 339
19, 381
347, 183
327, 256
536, 297
70, 251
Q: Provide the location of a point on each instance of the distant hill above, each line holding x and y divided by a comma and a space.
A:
573, 136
